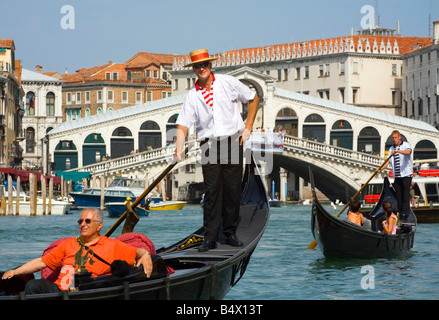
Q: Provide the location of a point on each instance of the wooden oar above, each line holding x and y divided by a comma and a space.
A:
143, 195
313, 244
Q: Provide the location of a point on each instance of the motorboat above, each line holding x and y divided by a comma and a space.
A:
167, 205
120, 189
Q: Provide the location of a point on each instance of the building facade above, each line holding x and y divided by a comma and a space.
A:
421, 82
11, 109
43, 112
362, 70
113, 86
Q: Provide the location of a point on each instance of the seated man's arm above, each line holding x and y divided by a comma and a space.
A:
27, 268
144, 258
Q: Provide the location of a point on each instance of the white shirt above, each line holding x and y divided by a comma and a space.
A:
225, 118
405, 161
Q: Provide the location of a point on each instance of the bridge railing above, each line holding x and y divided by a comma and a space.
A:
134, 160
166, 154
330, 150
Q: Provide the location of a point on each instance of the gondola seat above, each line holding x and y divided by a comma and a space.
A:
139, 240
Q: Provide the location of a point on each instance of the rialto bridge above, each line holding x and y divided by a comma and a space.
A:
341, 143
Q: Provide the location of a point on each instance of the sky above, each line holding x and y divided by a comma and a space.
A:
67, 35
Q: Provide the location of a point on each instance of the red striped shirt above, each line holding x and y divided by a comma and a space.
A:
207, 94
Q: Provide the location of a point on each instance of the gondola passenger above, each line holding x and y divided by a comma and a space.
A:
90, 224
354, 214
389, 224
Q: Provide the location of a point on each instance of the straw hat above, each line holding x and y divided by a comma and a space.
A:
198, 56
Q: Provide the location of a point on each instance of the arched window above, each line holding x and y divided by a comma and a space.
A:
30, 140
30, 103
150, 136
122, 142
314, 128
87, 112
50, 104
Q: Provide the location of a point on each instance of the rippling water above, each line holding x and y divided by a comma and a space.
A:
281, 267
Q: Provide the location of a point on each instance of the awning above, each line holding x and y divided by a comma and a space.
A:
24, 175
74, 176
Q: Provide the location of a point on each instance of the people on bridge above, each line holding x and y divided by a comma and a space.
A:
402, 164
354, 214
389, 225
90, 224
212, 105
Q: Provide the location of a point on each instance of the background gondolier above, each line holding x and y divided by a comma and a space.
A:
402, 164
212, 105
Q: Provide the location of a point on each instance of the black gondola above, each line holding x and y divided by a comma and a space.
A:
198, 275
341, 238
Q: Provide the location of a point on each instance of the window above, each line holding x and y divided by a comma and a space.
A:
279, 75
87, 97
87, 112
110, 96
107, 75
30, 140
354, 95
297, 74
78, 97
355, 68
306, 72
324, 70
124, 96
341, 91
341, 68
148, 95
156, 74
394, 69
50, 104
99, 95
30, 103
69, 98
147, 73
176, 84
73, 114
115, 76
138, 97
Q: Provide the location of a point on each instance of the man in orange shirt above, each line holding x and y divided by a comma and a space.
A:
90, 224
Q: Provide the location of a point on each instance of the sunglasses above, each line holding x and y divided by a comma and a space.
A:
201, 65
87, 221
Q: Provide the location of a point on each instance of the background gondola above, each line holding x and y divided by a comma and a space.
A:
341, 238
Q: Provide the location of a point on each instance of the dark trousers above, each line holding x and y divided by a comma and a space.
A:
402, 189
222, 174
36, 286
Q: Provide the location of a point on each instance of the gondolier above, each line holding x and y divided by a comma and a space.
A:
402, 164
212, 105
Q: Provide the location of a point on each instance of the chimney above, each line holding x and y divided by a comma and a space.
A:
436, 32
39, 68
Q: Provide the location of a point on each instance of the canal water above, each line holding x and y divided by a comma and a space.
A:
281, 268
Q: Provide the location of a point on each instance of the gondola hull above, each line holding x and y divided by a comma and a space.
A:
341, 239
198, 275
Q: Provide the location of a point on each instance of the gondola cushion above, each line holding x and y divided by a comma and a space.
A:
138, 240
48, 273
